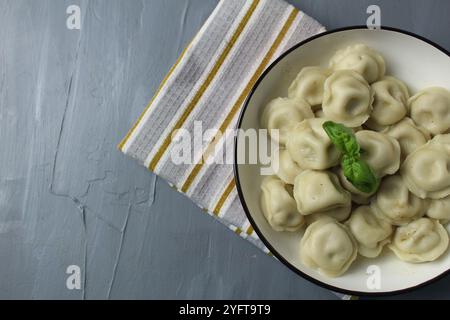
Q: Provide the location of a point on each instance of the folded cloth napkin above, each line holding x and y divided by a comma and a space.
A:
208, 85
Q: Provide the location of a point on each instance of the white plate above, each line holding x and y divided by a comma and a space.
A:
415, 60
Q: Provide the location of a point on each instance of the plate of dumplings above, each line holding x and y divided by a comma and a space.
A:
356, 195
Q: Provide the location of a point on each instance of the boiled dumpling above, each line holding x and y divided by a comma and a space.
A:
396, 204
409, 136
279, 206
319, 192
329, 247
284, 167
347, 98
358, 196
439, 209
362, 59
371, 232
308, 85
430, 108
309, 146
380, 151
282, 114
390, 103
426, 171
422, 240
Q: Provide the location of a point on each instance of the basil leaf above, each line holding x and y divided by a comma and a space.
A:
342, 137
356, 170
359, 173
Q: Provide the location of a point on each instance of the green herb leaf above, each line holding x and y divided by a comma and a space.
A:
356, 170
342, 137
360, 174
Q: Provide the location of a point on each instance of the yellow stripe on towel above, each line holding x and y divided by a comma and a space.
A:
224, 197
195, 171
204, 86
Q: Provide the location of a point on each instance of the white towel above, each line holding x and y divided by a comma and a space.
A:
209, 83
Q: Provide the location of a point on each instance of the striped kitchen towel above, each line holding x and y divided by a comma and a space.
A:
208, 85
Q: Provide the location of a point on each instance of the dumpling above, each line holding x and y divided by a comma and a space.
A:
279, 206
284, 167
409, 136
362, 59
283, 114
396, 204
390, 103
370, 232
422, 240
439, 209
308, 85
358, 196
347, 98
329, 247
380, 151
319, 192
309, 146
426, 171
430, 108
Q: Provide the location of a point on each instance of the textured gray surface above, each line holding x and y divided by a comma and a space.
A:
67, 196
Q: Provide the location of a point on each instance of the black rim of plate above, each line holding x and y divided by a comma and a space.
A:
238, 183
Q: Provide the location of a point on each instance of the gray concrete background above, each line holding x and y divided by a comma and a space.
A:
68, 197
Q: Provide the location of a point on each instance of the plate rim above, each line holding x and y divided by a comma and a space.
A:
241, 194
